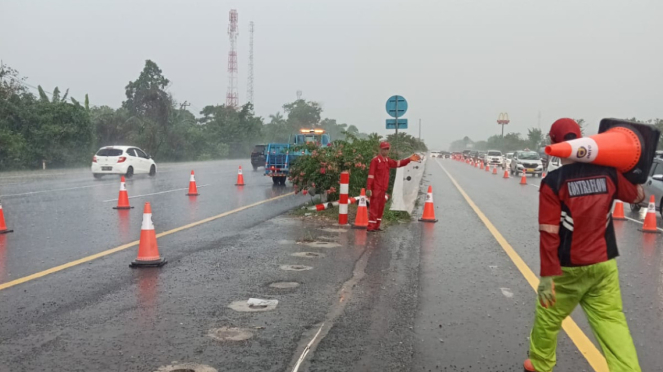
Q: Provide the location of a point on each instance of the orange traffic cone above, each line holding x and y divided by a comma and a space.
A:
618, 211
361, 221
240, 177
494, 170
3, 226
523, 179
487, 168
429, 208
193, 189
506, 174
148, 250
123, 199
650, 219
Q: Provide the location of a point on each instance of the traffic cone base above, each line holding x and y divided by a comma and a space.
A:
506, 174
523, 179
193, 188
650, 220
429, 207
121, 208
148, 250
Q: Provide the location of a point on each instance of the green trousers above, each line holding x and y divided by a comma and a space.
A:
596, 288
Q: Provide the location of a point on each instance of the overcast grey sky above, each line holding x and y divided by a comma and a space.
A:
459, 63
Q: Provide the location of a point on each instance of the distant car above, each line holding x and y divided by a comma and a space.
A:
553, 163
125, 160
258, 156
494, 157
653, 186
435, 154
466, 154
528, 161
446, 155
507, 159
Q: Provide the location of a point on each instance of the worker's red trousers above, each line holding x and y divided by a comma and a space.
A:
377, 208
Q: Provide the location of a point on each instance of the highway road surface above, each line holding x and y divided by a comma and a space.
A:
457, 295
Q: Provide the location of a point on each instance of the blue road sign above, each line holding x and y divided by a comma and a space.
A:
395, 103
402, 123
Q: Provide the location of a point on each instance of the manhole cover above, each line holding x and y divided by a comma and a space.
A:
186, 367
322, 244
295, 267
230, 334
284, 285
308, 254
243, 306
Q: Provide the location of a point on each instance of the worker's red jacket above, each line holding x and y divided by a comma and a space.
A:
575, 220
378, 173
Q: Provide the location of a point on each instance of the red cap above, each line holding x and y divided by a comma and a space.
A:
384, 145
561, 128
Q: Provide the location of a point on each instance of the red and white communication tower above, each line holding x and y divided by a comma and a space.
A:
232, 97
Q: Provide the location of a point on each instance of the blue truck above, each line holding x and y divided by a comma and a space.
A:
279, 157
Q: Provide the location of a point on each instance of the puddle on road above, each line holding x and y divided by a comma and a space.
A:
334, 230
285, 221
319, 244
327, 238
309, 254
295, 267
243, 306
186, 367
284, 285
506, 292
230, 334
286, 242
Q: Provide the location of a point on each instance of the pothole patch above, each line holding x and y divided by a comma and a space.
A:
296, 267
244, 306
309, 254
319, 244
186, 367
230, 334
284, 285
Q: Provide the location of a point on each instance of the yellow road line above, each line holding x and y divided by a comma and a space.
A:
129, 245
582, 342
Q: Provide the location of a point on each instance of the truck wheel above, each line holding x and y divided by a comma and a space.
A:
282, 181
275, 180
255, 168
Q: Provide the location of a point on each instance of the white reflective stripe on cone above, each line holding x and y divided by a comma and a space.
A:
343, 209
192, 179
651, 208
429, 197
147, 222
345, 188
239, 171
362, 201
123, 187
583, 150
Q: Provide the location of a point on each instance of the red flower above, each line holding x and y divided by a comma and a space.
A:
323, 170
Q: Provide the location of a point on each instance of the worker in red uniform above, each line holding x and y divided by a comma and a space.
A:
578, 251
378, 182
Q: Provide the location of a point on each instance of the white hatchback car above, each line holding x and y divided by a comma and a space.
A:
126, 160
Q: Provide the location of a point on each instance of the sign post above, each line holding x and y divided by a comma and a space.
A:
396, 107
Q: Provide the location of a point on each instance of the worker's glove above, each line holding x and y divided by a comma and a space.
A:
546, 292
369, 193
415, 157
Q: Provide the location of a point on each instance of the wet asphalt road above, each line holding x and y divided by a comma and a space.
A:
417, 297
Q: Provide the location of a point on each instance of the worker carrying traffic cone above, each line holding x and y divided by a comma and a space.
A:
378, 182
361, 220
240, 177
650, 219
577, 251
148, 250
123, 199
193, 189
3, 225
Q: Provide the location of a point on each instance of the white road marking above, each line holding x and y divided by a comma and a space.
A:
53, 190
537, 186
156, 193
640, 222
307, 349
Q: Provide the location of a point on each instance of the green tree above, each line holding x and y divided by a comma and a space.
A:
534, 138
302, 114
